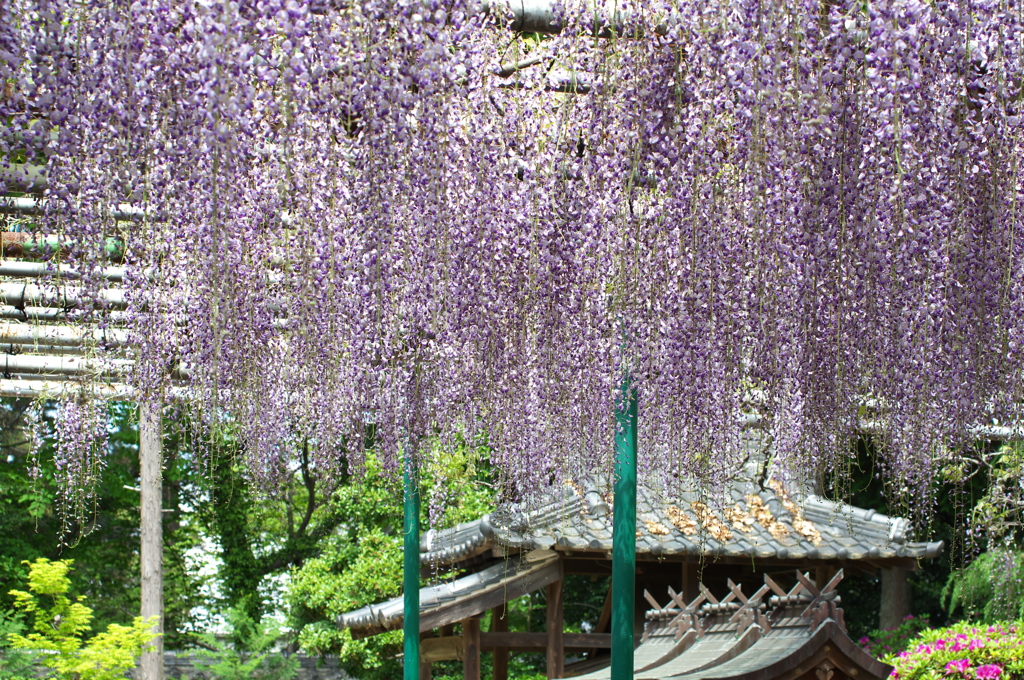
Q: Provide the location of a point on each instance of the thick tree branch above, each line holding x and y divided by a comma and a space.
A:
310, 483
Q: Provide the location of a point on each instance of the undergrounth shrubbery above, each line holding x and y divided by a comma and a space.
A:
962, 652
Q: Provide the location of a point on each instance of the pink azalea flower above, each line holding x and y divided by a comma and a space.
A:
976, 644
959, 666
864, 640
989, 671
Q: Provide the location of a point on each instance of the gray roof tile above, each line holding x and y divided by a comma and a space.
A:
577, 517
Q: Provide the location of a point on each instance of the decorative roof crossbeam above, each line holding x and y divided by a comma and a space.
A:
751, 611
824, 604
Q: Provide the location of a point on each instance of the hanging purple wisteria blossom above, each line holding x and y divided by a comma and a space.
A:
79, 456
402, 212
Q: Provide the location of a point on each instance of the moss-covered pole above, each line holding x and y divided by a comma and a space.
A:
624, 535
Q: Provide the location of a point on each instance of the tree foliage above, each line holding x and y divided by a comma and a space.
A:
250, 656
60, 625
104, 545
361, 563
990, 588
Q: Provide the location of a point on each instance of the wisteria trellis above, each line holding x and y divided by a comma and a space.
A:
805, 209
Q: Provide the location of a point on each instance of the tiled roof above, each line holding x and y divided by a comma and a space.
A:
769, 523
748, 523
458, 543
762, 634
742, 519
753, 635
461, 598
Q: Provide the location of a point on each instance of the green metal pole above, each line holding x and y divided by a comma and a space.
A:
624, 536
411, 569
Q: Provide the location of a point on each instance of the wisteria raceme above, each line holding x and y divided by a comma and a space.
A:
377, 213
79, 456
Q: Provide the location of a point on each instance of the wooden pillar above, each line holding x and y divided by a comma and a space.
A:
424, 665
639, 612
895, 597
471, 649
555, 624
823, 574
499, 624
689, 589
151, 553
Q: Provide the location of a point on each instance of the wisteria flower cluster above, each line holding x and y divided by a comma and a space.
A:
81, 430
963, 651
403, 215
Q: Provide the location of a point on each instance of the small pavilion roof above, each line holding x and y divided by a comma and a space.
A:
445, 603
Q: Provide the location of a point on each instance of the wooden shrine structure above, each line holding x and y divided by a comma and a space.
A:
701, 552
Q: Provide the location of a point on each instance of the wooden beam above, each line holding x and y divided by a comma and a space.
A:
471, 649
447, 648
539, 641
151, 552
555, 623
452, 647
499, 624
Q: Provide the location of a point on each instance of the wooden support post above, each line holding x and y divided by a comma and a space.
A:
895, 597
499, 624
823, 574
471, 649
555, 625
424, 664
604, 619
151, 553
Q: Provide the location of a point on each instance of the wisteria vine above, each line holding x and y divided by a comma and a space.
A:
392, 212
